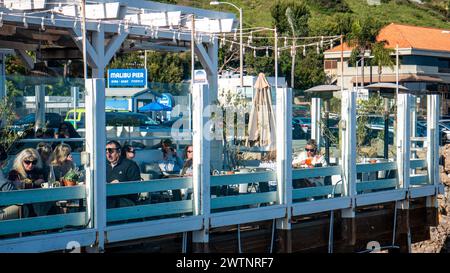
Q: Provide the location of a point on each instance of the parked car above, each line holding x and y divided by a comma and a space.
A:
52, 120
113, 118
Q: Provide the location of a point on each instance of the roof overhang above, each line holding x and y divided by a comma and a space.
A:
402, 78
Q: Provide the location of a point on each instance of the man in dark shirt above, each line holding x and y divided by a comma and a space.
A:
120, 169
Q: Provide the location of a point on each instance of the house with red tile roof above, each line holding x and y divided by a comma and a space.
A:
424, 61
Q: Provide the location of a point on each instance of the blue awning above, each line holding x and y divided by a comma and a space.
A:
154, 106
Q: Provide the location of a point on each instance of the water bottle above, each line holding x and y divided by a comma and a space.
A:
51, 176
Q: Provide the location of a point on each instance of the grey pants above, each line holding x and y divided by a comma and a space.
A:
9, 212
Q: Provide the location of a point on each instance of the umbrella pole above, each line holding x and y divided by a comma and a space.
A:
386, 128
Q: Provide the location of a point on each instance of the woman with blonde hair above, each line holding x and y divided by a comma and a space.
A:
26, 172
62, 160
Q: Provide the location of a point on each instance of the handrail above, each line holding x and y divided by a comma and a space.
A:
418, 163
243, 200
151, 210
373, 167
42, 195
148, 186
42, 223
37, 140
234, 179
316, 172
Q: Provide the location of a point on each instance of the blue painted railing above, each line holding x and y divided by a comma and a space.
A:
246, 198
312, 192
142, 211
42, 223
379, 184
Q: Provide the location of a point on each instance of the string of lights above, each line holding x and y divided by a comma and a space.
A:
152, 31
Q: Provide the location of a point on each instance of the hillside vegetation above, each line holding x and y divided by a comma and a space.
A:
432, 13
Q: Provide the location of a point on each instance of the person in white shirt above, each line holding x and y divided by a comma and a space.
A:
310, 159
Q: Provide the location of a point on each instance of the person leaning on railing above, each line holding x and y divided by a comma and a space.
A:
120, 169
310, 158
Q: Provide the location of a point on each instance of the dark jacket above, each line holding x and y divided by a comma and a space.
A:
125, 170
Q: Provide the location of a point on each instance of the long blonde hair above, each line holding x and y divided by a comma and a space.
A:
27, 154
60, 154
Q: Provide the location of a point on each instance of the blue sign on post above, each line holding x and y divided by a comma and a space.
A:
127, 77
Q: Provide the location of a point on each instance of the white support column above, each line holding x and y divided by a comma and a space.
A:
284, 153
316, 104
96, 167
348, 147
413, 127
40, 106
201, 163
403, 139
433, 106
98, 42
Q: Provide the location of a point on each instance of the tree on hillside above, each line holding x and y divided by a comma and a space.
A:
299, 13
381, 57
362, 37
291, 19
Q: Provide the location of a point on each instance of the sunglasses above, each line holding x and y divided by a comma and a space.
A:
310, 150
189, 152
28, 162
111, 150
131, 151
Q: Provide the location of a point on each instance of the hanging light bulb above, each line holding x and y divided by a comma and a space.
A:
99, 25
304, 50
75, 23
278, 52
173, 38
321, 42
231, 46
267, 52
317, 48
254, 53
223, 39
171, 26
235, 34
292, 51
156, 32
331, 44
119, 29
243, 50
42, 24
285, 41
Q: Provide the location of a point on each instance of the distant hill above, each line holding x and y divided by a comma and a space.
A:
431, 13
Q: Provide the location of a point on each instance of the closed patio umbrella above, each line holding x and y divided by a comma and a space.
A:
261, 127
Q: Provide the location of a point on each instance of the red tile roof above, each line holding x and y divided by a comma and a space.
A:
406, 36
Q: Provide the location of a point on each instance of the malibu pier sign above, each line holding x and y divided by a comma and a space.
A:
127, 77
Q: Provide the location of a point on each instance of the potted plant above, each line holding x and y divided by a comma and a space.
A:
71, 178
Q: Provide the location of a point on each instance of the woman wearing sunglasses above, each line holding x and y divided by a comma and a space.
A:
310, 158
27, 172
